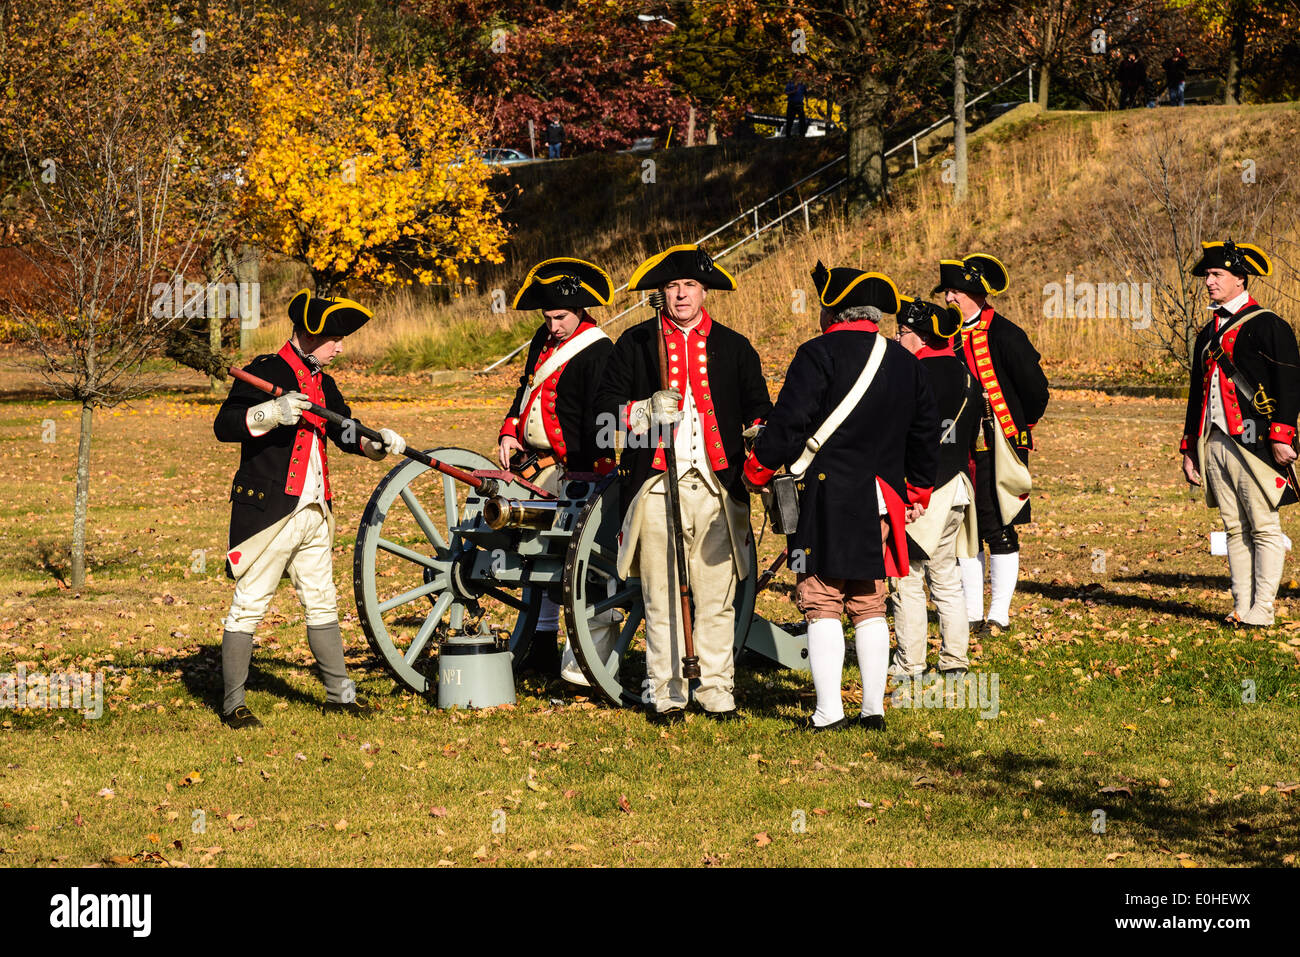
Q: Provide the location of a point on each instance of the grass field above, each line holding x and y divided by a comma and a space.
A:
1119, 692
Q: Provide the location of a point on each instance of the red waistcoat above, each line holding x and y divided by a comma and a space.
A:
309, 384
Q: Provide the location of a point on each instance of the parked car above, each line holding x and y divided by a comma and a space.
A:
502, 156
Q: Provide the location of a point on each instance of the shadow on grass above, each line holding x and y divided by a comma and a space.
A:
200, 672
1098, 594
1230, 833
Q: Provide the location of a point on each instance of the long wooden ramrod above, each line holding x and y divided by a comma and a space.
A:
690, 661
473, 481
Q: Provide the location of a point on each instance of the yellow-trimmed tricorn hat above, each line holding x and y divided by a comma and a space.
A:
564, 283
327, 317
846, 288
944, 321
687, 261
978, 274
1241, 259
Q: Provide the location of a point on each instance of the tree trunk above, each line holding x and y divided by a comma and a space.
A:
1045, 68
959, 125
1236, 56
246, 266
82, 496
866, 173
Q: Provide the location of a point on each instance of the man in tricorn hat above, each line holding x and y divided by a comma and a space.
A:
949, 527
1239, 434
714, 392
1001, 357
281, 517
551, 425
886, 442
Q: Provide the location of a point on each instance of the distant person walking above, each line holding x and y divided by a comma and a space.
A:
1132, 81
1176, 76
794, 112
554, 137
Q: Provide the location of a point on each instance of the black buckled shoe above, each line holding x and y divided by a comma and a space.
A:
871, 722
670, 716
241, 717
721, 716
355, 709
807, 726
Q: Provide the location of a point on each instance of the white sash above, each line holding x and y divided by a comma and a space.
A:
559, 357
846, 406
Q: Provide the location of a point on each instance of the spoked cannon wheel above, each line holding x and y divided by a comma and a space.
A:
411, 571
593, 594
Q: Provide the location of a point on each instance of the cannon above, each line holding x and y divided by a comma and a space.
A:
449, 545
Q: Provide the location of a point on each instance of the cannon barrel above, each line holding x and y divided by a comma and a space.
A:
501, 512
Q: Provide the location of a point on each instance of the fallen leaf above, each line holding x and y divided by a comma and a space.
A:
340, 824
1113, 789
624, 805
1116, 855
105, 792
761, 839
192, 778
921, 781
437, 812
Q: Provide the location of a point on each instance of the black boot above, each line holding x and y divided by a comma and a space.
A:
543, 657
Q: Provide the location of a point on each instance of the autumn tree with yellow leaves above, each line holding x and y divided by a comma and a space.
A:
364, 172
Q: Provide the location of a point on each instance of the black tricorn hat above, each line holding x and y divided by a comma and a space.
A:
978, 274
1241, 259
564, 283
687, 261
846, 288
943, 321
327, 317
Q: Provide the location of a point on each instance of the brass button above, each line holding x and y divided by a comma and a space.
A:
821, 476
250, 491
239, 488
260, 495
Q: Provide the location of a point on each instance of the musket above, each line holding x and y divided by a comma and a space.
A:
476, 482
690, 662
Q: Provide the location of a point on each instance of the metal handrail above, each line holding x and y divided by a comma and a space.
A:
753, 210
949, 118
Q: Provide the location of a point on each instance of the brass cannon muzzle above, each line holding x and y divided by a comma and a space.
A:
501, 512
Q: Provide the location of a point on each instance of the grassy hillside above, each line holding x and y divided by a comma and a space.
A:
614, 209
1047, 196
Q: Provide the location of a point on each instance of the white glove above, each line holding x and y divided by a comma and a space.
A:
392, 443
286, 410
663, 407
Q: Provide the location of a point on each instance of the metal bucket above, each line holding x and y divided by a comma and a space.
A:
474, 671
